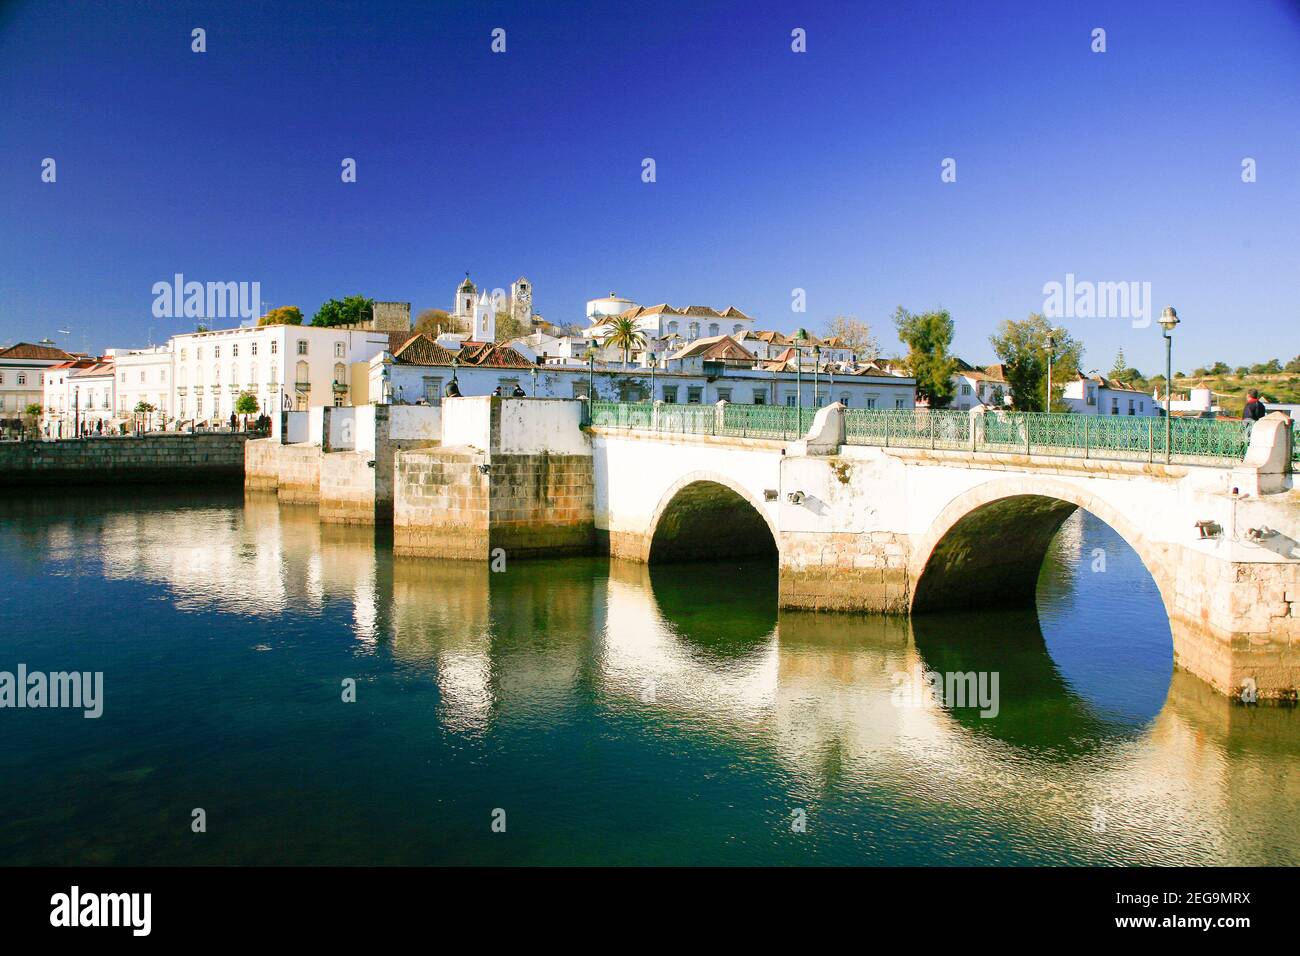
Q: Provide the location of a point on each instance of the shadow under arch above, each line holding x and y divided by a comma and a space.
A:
728, 618
985, 549
706, 516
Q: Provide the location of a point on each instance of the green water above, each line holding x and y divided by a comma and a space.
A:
616, 714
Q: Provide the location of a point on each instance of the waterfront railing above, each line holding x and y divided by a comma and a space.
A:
1121, 438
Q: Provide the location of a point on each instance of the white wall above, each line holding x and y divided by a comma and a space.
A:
529, 426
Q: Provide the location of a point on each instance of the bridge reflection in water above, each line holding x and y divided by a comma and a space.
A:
676, 700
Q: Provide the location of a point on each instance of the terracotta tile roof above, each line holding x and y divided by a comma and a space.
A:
26, 350
421, 349
397, 339
716, 347
491, 355
1110, 383
731, 312
703, 310
99, 368
773, 338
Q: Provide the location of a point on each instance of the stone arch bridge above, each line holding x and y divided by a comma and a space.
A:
912, 530
899, 512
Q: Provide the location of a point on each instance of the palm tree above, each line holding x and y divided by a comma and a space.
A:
625, 335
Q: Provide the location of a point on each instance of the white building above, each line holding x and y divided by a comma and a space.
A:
282, 366
1097, 395
421, 370
89, 398
144, 375
1199, 401
973, 388
21, 368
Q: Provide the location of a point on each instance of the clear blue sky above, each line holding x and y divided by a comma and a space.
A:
776, 170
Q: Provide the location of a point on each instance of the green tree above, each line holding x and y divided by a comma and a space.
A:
352, 310
33, 410
927, 336
625, 336
246, 404
1120, 367
1293, 365
284, 315
1220, 368
508, 327
1022, 348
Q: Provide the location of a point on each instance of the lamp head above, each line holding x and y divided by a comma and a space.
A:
1168, 318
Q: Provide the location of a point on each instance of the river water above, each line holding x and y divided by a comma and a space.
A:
600, 712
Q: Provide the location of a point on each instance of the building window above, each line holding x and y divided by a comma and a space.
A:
898, 403
432, 390
1092, 395
302, 346
791, 399
253, 347
760, 397
183, 355
274, 373
1131, 409
338, 349
198, 406
123, 379
844, 399
694, 394
965, 388
1114, 404
216, 351
234, 351
142, 378
22, 378
713, 328
670, 394
579, 389
871, 401
340, 374
275, 347
302, 373
724, 394
198, 354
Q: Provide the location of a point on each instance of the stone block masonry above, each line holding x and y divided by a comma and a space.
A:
155, 459
499, 486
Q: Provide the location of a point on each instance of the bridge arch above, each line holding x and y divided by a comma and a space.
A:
706, 514
986, 547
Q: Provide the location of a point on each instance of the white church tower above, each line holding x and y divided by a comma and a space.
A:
464, 299
485, 319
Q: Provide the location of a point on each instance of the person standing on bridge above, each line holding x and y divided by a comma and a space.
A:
1255, 409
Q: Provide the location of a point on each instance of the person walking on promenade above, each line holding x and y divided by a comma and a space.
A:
1255, 409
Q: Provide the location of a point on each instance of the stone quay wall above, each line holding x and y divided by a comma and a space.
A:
154, 459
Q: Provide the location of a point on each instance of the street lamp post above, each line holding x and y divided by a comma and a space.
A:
817, 360
1168, 319
798, 387
534, 374
1051, 354
652, 377
591, 379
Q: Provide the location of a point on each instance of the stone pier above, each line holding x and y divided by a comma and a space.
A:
513, 476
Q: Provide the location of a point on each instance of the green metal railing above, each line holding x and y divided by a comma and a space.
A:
736, 421
1125, 438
